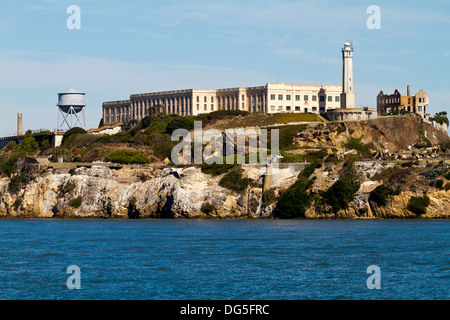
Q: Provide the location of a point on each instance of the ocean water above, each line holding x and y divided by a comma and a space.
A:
215, 259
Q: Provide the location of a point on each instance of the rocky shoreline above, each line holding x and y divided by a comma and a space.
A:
181, 193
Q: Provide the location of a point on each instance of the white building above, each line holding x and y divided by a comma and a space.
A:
271, 98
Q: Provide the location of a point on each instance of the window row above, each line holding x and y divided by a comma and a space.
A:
305, 98
296, 109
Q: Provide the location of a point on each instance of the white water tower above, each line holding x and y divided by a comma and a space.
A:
71, 108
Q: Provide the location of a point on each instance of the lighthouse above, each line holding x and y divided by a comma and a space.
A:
348, 96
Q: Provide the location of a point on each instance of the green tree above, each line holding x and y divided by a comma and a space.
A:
28, 145
73, 131
342, 192
179, 123
379, 195
440, 117
418, 205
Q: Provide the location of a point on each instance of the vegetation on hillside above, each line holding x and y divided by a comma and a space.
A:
440, 117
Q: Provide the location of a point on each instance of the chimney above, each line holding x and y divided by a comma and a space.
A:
409, 91
19, 125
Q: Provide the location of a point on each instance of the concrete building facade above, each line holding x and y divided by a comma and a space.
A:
271, 98
396, 102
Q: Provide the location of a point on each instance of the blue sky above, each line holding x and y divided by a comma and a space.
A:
126, 47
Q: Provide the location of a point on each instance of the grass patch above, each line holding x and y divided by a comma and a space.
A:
127, 157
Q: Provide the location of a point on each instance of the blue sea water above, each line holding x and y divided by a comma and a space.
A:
215, 259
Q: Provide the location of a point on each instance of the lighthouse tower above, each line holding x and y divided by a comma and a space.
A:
348, 96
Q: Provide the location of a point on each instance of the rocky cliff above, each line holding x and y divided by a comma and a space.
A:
178, 193
403, 152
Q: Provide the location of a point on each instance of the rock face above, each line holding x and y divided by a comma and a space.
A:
388, 134
178, 193
170, 193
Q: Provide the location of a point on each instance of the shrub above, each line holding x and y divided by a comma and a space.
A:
66, 188
447, 176
160, 144
17, 203
10, 146
73, 131
28, 145
127, 157
439, 183
269, 196
9, 166
216, 169
18, 181
179, 123
207, 208
234, 180
294, 201
119, 137
379, 195
342, 192
286, 135
76, 202
440, 117
355, 144
314, 156
447, 186
418, 205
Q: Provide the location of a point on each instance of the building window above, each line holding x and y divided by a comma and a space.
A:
330, 99
297, 108
280, 108
280, 97
424, 100
297, 97
204, 99
272, 97
288, 108
212, 107
314, 98
198, 106
288, 97
336, 99
419, 109
305, 98
272, 108
420, 100
212, 99
243, 97
306, 110
314, 109
243, 105
198, 99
